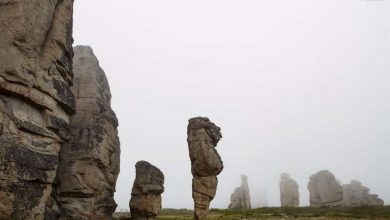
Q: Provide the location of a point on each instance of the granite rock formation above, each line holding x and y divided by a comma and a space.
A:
374, 200
89, 162
355, 195
325, 191
240, 198
206, 164
35, 101
289, 194
145, 202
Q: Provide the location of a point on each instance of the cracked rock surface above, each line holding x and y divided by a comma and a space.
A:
35, 101
89, 161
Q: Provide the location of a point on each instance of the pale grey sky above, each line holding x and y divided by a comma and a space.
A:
297, 86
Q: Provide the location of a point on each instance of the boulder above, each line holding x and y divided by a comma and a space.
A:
355, 195
289, 194
374, 200
206, 164
240, 198
35, 101
89, 161
145, 202
325, 190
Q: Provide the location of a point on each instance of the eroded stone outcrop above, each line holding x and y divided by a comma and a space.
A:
35, 101
355, 195
145, 202
325, 191
289, 194
240, 198
206, 164
89, 162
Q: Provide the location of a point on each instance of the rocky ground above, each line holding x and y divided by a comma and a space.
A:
305, 213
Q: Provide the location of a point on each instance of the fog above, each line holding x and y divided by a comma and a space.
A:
296, 87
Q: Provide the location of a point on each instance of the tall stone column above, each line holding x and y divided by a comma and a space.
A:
289, 194
35, 101
206, 164
89, 161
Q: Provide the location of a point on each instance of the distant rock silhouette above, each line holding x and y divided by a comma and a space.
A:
289, 194
206, 164
240, 198
145, 202
355, 195
324, 190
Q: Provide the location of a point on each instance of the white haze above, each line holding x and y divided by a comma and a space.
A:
296, 86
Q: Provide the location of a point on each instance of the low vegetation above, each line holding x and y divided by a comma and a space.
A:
284, 213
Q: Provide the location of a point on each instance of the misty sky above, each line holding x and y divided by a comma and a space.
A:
296, 86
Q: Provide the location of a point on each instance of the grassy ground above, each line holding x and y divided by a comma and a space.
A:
304, 213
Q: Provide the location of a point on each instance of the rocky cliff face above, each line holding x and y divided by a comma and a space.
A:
89, 161
355, 195
206, 164
240, 198
289, 194
35, 101
324, 190
145, 203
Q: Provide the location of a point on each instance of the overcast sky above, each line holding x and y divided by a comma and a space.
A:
296, 86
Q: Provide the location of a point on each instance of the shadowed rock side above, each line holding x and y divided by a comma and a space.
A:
35, 101
289, 194
325, 191
206, 164
145, 202
355, 195
240, 198
89, 162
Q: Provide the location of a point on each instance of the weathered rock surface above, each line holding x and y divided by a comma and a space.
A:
289, 194
89, 162
240, 198
325, 191
355, 195
206, 164
145, 202
35, 101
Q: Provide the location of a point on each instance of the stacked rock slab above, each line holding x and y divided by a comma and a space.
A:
240, 198
89, 162
145, 202
355, 195
35, 101
289, 194
325, 191
206, 164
